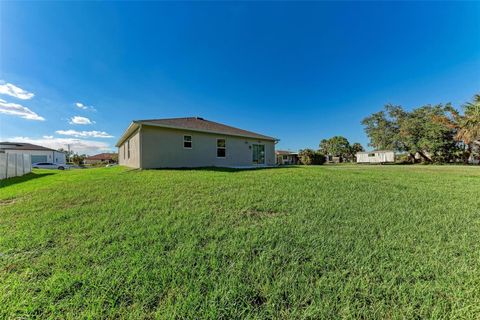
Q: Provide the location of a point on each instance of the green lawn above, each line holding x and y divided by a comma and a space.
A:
299, 242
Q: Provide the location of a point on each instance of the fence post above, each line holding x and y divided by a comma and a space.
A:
6, 165
23, 165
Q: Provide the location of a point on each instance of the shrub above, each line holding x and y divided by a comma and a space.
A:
309, 157
320, 158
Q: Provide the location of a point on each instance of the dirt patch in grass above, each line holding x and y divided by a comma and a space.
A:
6, 202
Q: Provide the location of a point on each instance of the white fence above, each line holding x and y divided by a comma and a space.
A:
14, 164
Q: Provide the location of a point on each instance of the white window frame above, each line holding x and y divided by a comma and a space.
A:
224, 148
264, 154
191, 141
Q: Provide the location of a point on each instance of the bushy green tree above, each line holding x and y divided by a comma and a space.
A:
336, 146
416, 132
383, 128
78, 158
356, 147
310, 156
420, 133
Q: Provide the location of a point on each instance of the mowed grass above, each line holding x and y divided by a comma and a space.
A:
301, 242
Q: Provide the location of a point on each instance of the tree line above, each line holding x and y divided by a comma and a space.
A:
431, 133
337, 146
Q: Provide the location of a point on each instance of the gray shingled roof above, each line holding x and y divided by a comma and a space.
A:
101, 156
200, 124
22, 146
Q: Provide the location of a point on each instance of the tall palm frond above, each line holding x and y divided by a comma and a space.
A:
469, 123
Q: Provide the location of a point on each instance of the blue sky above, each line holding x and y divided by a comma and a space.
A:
297, 71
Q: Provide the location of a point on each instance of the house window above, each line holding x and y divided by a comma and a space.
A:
258, 153
187, 142
371, 155
221, 148
285, 157
128, 149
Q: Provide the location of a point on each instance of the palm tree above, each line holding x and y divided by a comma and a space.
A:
469, 124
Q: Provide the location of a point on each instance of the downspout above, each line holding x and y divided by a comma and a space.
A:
275, 152
140, 157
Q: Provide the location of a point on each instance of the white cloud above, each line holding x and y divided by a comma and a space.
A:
80, 120
14, 91
48, 137
78, 134
77, 145
16, 109
81, 105
84, 107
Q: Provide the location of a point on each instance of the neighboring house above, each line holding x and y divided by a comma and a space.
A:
101, 158
192, 142
38, 153
286, 157
333, 159
377, 156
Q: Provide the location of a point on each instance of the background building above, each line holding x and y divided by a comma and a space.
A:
38, 153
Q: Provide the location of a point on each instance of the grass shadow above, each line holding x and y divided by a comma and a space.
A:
29, 176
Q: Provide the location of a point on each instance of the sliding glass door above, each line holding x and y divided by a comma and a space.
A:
258, 151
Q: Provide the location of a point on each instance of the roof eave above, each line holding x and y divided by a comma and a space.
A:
130, 129
146, 123
31, 149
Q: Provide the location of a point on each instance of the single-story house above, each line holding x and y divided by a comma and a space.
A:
192, 142
377, 156
101, 158
333, 159
38, 153
286, 157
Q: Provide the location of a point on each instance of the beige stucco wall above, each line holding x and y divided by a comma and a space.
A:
163, 148
134, 160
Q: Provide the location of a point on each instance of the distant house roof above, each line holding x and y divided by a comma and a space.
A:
22, 146
101, 156
285, 152
193, 124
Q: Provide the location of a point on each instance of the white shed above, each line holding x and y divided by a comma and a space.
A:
377, 156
